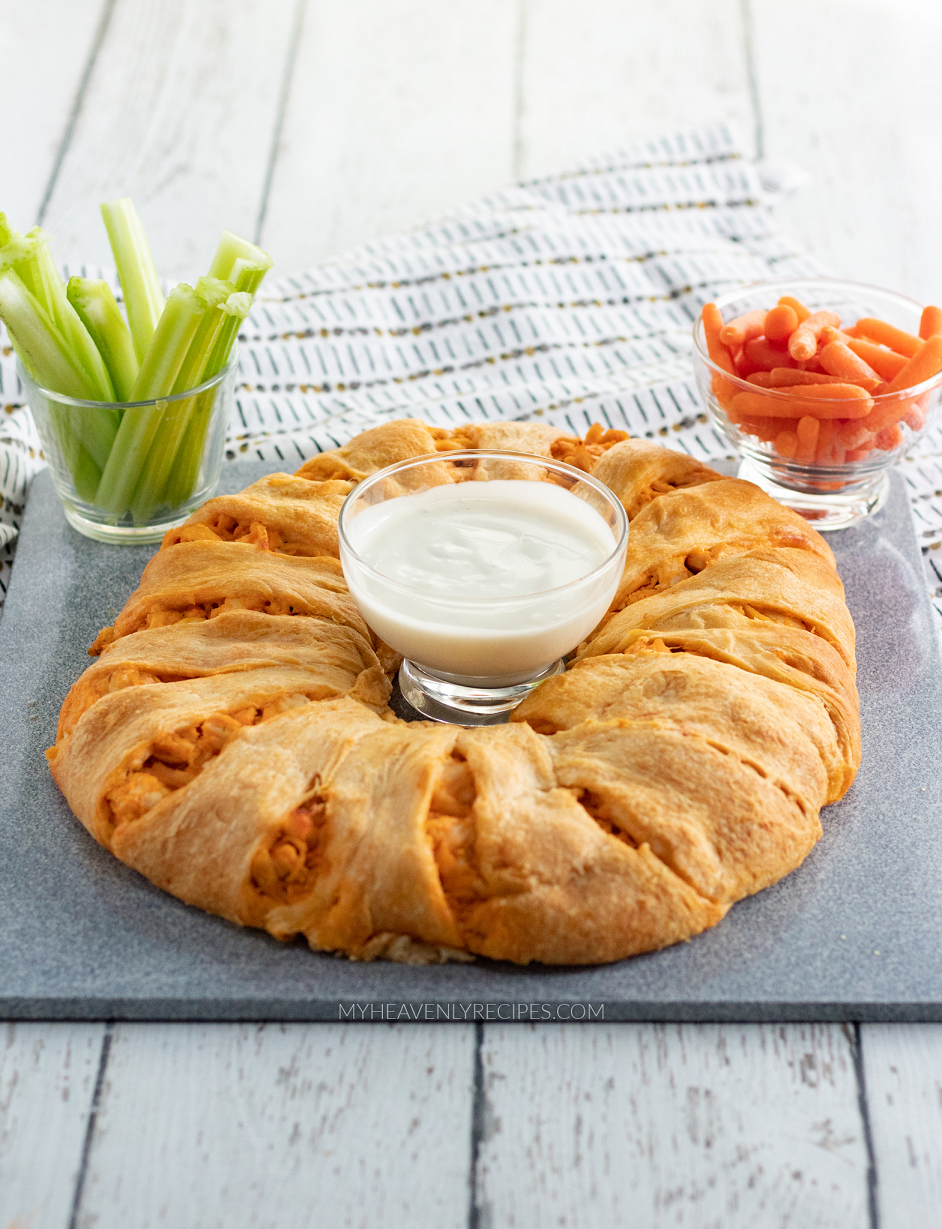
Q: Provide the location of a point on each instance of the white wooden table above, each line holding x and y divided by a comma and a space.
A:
312, 125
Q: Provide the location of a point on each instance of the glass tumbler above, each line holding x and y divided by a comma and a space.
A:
498, 566
126, 472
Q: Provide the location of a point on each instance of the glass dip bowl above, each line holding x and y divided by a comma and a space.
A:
847, 478
484, 569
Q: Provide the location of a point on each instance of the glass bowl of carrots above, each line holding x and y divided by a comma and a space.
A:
821, 385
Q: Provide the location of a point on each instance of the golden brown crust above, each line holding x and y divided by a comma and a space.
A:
373, 450
280, 512
792, 588
639, 471
233, 742
685, 530
198, 580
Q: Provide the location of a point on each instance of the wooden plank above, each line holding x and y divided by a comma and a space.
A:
396, 113
852, 96
596, 76
903, 1074
179, 113
47, 1080
46, 46
225, 1126
710, 1127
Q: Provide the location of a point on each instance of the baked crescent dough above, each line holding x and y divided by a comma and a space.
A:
233, 741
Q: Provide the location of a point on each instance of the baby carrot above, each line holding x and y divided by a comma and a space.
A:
762, 379
797, 307
758, 405
739, 331
886, 363
804, 341
784, 377
724, 390
807, 437
780, 322
915, 417
886, 412
887, 335
837, 359
829, 334
822, 401
857, 454
889, 438
761, 355
712, 319
854, 434
786, 443
832, 400
765, 429
925, 364
931, 323
826, 430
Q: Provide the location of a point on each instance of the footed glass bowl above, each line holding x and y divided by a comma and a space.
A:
843, 476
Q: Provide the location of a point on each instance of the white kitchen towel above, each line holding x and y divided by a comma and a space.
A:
569, 299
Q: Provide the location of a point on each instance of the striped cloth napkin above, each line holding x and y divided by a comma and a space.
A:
567, 300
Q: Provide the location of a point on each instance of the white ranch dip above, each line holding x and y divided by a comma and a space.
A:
482, 580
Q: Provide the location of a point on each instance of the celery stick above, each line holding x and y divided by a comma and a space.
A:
143, 298
84, 434
237, 307
215, 293
231, 248
39, 275
38, 342
86, 474
17, 254
167, 351
98, 310
190, 453
29, 257
248, 275
69, 323
245, 265
159, 370
166, 443
6, 233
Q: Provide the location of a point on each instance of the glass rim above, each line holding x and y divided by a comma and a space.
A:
796, 283
79, 403
476, 454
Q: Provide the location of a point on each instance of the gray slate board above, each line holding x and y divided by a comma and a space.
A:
855, 933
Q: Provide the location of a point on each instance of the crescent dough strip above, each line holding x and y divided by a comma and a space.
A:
233, 743
639, 471
195, 580
787, 736
685, 530
338, 658
280, 512
791, 587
